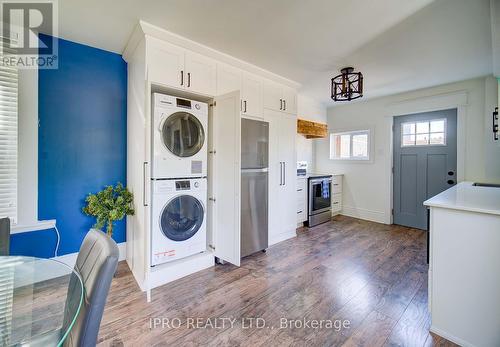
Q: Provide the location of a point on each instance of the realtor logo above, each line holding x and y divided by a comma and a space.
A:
28, 33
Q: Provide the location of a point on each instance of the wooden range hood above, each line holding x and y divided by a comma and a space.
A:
312, 130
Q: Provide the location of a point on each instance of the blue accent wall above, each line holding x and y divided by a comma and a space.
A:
82, 146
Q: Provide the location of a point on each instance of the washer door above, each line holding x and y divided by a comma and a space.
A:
181, 218
182, 134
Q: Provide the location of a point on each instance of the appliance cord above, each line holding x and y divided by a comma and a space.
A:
58, 240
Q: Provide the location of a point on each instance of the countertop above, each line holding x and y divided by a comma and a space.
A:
314, 174
466, 197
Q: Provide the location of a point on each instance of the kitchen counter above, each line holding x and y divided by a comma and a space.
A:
464, 280
466, 197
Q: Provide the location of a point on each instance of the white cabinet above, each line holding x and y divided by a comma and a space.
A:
173, 66
251, 95
282, 176
301, 200
165, 63
336, 194
279, 98
200, 73
229, 79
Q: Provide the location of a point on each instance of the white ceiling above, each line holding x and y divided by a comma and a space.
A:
398, 45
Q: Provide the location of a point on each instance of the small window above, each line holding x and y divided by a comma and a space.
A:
352, 145
428, 133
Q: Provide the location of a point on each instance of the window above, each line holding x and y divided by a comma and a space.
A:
8, 138
352, 145
428, 133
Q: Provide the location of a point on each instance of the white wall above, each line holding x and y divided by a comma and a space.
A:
367, 187
312, 110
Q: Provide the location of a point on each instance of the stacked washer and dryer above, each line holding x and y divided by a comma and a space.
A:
179, 178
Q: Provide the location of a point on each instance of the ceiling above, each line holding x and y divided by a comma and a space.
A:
398, 45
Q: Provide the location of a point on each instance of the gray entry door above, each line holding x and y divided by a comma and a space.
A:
425, 162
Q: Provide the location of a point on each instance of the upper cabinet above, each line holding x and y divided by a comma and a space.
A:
229, 79
279, 98
251, 95
179, 68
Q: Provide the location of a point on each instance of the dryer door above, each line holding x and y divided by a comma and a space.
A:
182, 134
181, 218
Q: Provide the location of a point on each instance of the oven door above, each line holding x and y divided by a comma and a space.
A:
320, 192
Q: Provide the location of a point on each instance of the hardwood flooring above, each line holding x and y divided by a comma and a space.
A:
366, 283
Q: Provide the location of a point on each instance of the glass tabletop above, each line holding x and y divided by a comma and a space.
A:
40, 300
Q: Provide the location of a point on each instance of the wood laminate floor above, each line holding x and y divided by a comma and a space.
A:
363, 283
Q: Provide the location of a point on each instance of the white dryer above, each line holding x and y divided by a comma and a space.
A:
179, 137
178, 219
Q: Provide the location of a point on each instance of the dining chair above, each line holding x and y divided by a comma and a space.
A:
4, 236
96, 264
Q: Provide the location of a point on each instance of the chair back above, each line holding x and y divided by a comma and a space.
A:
96, 264
4, 236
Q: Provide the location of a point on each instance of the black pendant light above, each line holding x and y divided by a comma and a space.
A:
348, 85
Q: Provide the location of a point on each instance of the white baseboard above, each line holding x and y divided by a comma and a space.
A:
70, 259
450, 337
361, 213
282, 237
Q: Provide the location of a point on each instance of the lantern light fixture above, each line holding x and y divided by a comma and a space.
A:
348, 85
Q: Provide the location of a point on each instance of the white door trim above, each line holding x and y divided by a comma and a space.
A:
457, 100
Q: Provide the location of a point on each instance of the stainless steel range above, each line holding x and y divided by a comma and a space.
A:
319, 199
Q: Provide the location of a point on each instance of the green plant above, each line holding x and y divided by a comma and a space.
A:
109, 205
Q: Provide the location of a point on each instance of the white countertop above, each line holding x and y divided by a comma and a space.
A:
464, 196
317, 174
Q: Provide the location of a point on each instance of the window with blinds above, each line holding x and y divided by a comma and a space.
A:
8, 135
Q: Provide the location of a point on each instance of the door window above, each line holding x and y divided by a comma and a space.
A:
181, 218
426, 133
183, 134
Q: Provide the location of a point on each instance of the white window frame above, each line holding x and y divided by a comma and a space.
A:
352, 133
429, 133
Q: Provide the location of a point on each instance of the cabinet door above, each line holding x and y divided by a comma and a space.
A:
288, 195
200, 73
228, 79
290, 100
252, 95
274, 227
273, 96
226, 177
165, 64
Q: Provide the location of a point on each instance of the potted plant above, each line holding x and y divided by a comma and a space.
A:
109, 205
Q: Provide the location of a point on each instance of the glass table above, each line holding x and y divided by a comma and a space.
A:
40, 300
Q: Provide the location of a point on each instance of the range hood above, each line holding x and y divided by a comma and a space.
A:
312, 130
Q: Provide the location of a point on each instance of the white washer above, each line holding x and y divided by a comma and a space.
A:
179, 137
178, 219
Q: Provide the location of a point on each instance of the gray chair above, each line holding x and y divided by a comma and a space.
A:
4, 236
96, 263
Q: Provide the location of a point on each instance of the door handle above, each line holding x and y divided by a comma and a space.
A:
144, 203
182, 77
189, 79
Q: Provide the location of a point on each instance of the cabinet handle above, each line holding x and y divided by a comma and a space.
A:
182, 77
336, 203
281, 104
245, 103
284, 105
281, 173
284, 173
299, 190
299, 212
144, 165
189, 79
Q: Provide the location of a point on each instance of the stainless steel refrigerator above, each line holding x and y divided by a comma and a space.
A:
254, 186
